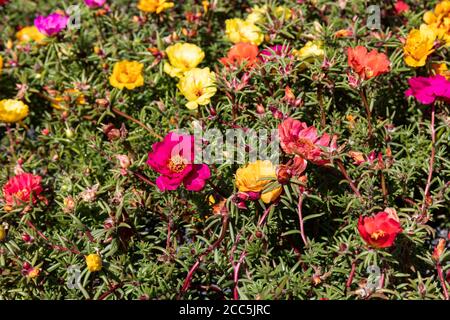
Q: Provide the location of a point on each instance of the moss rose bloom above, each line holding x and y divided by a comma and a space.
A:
22, 189
173, 158
51, 24
367, 64
379, 231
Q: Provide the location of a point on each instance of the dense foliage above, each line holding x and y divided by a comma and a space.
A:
96, 211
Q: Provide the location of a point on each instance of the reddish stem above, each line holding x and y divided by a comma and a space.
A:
347, 177
352, 274
442, 279
187, 281
431, 164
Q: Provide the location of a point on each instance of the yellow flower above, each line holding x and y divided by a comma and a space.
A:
442, 69
258, 14
28, 34
1, 64
127, 74
152, 6
310, 52
94, 262
255, 177
182, 57
418, 46
439, 21
62, 102
12, 110
238, 30
198, 86
2, 233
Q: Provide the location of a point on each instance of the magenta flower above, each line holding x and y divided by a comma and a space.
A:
427, 90
275, 52
299, 139
94, 3
173, 158
51, 24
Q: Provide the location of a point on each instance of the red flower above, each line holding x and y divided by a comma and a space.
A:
22, 189
367, 65
241, 53
299, 139
379, 231
401, 7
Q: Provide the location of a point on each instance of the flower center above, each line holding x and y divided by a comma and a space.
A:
177, 164
198, 92
378, 234
306, 146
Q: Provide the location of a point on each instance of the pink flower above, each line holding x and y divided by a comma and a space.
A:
299, 139
22, 189
173, 158
427, 90
51, 24
94, 3
401, 7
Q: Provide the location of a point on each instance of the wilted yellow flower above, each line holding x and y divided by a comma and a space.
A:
442, 69
94, 262
127, 74
310, 52
28, 34
255, 177
182, 57
439, 20
238, 30
418, 46
12, 110
198, 86
157, 6
61, 102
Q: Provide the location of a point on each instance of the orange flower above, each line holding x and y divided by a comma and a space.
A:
367, 64
343, 33
241, 53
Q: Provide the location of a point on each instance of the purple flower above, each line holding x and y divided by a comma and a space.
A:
94, 3
51, 24
427, 90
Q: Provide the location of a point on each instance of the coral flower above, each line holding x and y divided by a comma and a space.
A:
254, 178
418, 46
241, 54
182, 57
22, 189
299, 139
427, 89
367, 64
12, 111
198, 86
153, 6
28, 34
238, 30
94, 3
94, 262
379, 231
174, 158
51, 24
127, 74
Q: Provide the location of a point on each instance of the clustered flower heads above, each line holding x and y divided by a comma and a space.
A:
196, 149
